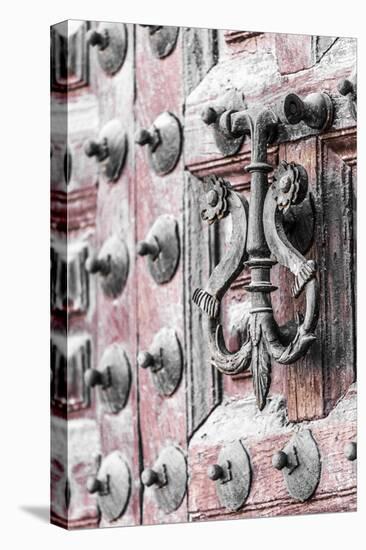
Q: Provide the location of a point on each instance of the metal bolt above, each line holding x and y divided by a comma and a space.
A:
95, 38
280, 460
345, 87
350, 450
148, 248
94, 485
149, 477
215, 472
93, 377
143, 137
145, 360
212, 197
293, 108
209, 115
95, 265
95, 149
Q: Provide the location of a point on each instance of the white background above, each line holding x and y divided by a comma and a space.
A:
24, 272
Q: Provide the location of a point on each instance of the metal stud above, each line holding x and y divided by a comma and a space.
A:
164, 140
316, 110
300, 463
232, 475
348, 88
162, 39
350, 451
111, 484
110, 39
113, 377
112, 263
167, 479
110, 149
161, 246
164, 359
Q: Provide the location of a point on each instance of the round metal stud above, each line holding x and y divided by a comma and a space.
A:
164, 359
161, 246
232, 475
350, 451
115, 378
112, 485
168, 478
162, 39
113, 264
300, 463
164, 139
110, 149
279, 460
111, 41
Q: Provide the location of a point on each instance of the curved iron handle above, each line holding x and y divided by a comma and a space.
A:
222, 200
276, 203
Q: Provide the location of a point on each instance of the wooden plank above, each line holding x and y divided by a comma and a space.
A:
159, 88
262, 435
200, 249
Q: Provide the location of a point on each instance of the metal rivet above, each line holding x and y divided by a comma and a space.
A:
93, 377
145, 360
215, 472
316, 110
95, 265
209, 115
148, 248
100, 39
149, 477
350, 450
345, 87
280, 460
148, 137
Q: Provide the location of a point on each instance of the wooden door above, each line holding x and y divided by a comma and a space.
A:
133, 162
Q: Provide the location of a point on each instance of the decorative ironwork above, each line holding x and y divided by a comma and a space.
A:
259, 241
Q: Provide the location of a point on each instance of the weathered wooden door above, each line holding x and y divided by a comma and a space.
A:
153, 129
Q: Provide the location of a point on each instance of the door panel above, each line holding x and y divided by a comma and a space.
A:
133, 377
